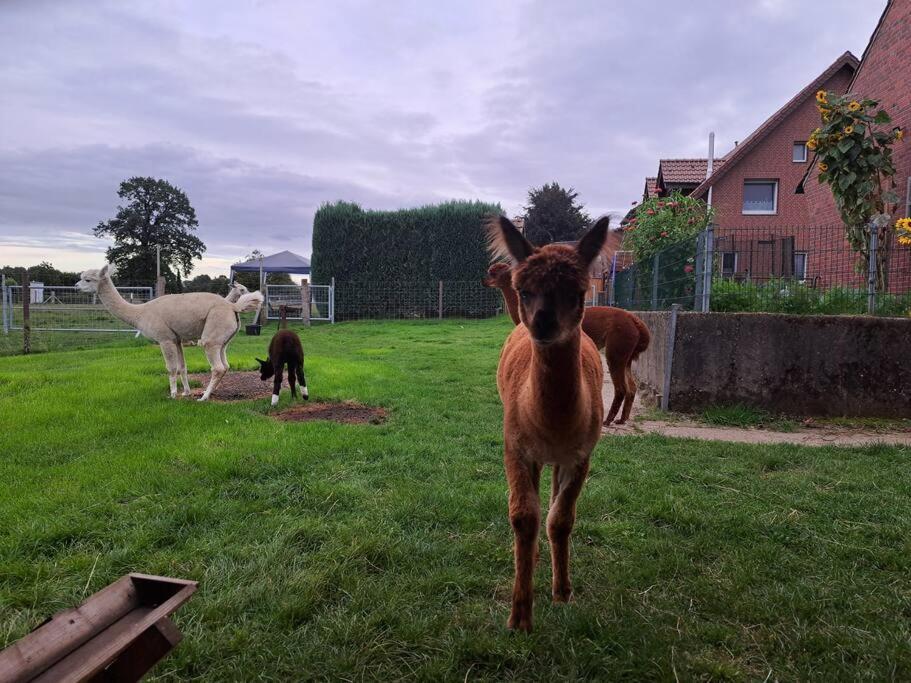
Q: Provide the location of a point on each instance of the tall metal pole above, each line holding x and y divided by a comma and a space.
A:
710, 167
871, 271
157, 262
707, 262
26, 317
3, 303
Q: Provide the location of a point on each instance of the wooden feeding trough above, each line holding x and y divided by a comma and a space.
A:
118, 634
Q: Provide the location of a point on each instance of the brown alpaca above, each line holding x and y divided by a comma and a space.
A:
622, 336
549, 379
499, 276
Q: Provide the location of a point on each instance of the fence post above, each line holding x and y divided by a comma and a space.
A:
612, 297
159, 286
669, 357
305, 302
332, 301
871, 271
655, 282
440, 301
707, 259
26, 322
3, 303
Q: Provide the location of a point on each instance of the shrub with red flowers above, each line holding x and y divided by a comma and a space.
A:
662, 221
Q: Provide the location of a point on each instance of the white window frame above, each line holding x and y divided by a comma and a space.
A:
806, 266
774, 210
805, 153
725, 272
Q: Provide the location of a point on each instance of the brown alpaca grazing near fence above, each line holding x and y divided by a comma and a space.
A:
549, 379
622, 336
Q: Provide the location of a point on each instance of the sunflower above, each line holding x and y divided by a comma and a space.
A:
849, 130
899, 134
854, 106
811, 144
821, 97
823, 167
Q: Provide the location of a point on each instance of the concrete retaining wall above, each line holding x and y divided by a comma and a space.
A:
802, 365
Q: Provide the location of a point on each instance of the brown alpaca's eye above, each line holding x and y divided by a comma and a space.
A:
525, 296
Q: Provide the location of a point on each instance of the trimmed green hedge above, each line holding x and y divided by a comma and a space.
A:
394, 250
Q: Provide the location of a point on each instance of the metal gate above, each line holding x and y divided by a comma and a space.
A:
321, 304
66, 309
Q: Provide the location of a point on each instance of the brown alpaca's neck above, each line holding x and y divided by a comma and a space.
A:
110, 297
555, 380
511, 300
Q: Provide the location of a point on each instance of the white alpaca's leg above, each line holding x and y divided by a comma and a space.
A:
183, 371
170, 351
213, 354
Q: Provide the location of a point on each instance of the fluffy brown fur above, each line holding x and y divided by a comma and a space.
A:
621, 334
549, 380
499, 276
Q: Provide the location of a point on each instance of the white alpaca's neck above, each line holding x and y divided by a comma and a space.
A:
116, 304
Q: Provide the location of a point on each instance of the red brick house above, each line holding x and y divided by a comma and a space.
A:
884, 74
756, 186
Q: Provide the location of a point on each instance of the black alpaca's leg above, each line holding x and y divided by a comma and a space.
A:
277, 383
303, 381
292, 378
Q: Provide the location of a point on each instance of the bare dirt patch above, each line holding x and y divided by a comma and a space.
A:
348, 412
235, 386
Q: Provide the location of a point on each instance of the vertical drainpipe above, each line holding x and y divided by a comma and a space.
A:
710, 167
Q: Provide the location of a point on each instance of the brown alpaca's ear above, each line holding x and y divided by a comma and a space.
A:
592, 242
505, 241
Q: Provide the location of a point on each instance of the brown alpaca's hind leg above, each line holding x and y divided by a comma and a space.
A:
525, 518
618, 379
568, 481
630, 393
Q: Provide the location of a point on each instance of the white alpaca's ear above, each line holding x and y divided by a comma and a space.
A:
107, 270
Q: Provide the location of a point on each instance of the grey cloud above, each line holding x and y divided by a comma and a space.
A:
263, 111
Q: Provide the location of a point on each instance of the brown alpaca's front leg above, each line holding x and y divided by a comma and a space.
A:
525, 518
567, 483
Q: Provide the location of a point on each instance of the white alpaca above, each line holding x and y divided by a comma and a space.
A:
237, 290
172, 318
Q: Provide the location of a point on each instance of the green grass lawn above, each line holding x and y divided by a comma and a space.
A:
327, 551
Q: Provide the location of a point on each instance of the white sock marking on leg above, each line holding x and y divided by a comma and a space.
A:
274, 400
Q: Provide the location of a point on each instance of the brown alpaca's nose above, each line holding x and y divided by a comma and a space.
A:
544, 325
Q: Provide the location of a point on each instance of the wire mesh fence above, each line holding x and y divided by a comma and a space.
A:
804, 270
671, 276
66, 309
374, 300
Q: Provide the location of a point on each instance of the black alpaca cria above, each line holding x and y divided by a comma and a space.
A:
284, 349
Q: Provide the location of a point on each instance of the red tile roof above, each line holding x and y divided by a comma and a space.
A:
651, 187
684, 171
739, 152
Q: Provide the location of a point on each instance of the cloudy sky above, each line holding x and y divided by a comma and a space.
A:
262, 110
